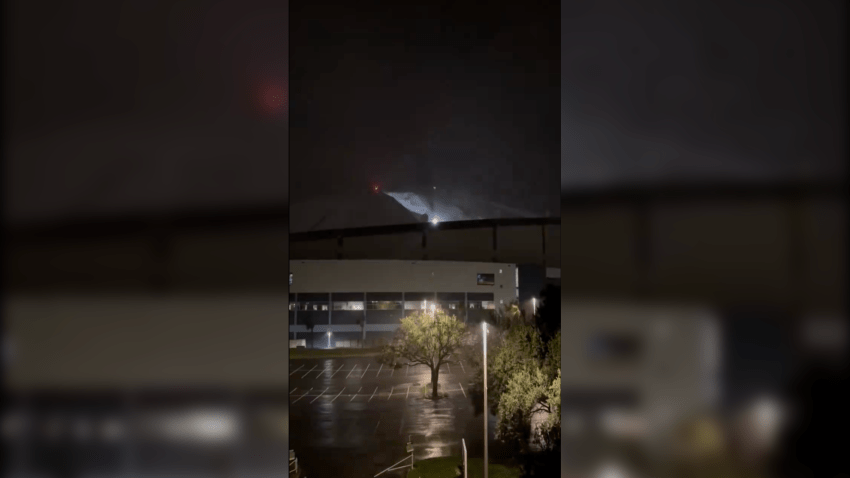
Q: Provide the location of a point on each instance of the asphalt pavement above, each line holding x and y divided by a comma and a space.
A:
353, 417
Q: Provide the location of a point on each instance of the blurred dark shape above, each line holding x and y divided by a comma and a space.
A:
146, 226
548, 317
816, 444
310, 323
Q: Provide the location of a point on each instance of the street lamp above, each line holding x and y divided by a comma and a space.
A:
484, 332
534, 305
329, 339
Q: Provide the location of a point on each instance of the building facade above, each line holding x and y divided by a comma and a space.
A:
636, 370
361, 302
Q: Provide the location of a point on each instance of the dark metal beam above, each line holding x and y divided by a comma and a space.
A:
277, 217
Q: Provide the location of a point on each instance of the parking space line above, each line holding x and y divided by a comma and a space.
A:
309, 371
408, 392
323, 371
373, 394
392, 372
319, 395
297, 369
461, 389
355, 395
302, 396
367, 369
293, 390
376, 426
337, 371
448, 368
391, 392
338, 394
461, 367
349, 373
379, 371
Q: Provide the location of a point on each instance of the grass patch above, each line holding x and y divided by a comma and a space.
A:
444, 467
333, 353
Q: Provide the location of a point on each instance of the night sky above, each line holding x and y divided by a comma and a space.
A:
142, 106
664, 91
117, 107
462, 98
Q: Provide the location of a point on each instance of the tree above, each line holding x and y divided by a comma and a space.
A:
428, 339
509, 318
523, 374
509, 315
309, 324
521, 350
548, 434
552, 360
529, 392
548, 317
362, 323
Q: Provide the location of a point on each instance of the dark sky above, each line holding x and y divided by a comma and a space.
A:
659, 91
126, 106
139, 106
408, 97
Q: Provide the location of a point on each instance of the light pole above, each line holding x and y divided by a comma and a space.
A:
484, 331
534, 305
329, 339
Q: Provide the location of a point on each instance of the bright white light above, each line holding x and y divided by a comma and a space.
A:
435, 220
203, 425
611, 470
196, 425
767, 416
213, 427
445, 206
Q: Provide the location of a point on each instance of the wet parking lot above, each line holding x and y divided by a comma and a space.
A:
353, 417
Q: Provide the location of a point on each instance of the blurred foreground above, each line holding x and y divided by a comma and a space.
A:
705, 332
156, 386
667, 392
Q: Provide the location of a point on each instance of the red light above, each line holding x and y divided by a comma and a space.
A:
269, 97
